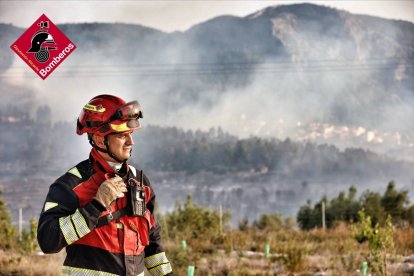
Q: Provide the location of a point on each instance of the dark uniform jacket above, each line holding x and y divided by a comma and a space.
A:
97, 241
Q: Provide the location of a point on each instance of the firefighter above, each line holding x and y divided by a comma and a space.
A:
102, 209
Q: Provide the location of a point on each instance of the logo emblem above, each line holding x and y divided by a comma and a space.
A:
43, 46
41, 41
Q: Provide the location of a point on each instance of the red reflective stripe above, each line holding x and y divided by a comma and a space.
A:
147, 193
150, 218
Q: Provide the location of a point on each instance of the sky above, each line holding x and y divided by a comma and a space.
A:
173, 15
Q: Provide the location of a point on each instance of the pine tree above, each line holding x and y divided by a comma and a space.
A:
6, 230
28, 242
394, 202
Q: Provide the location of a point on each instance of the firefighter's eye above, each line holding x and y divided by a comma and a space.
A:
123, 135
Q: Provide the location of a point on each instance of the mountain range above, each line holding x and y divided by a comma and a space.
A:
303, 71
273, 73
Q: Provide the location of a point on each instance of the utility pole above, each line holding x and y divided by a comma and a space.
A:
221, 220
20, 223
323, 215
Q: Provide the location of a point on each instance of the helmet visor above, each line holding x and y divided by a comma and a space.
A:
121, 126
128, 111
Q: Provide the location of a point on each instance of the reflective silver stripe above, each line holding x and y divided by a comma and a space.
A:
67, 229
75, 172
49, 205
74, 271
155, 260
160, 270
66, 225
80, 224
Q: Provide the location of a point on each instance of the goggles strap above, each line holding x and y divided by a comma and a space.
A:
96, 147
108, 151
105, 150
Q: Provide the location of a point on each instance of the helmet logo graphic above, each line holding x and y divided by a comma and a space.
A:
40, 40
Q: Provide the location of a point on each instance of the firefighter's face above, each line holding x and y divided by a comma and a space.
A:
121, 144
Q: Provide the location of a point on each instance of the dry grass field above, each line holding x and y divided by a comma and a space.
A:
292, 252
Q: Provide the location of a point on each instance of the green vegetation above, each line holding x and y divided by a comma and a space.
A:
380, 241
17, 247
7, 232
28, 241
339, 250
191, 220
344, 207
218, 152
9, 239
190, 151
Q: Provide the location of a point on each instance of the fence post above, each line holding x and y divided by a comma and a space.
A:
191, 270
184, 245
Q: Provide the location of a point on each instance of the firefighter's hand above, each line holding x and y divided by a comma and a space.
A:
110, 190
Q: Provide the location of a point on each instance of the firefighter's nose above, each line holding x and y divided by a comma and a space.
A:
130, 140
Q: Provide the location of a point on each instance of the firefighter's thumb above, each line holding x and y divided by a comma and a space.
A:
110, 190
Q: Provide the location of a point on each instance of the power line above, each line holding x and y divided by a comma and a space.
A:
221, 68
202, 64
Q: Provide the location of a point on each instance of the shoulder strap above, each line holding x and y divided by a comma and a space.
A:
111, 217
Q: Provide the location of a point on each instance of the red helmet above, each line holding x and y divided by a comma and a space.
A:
105, 114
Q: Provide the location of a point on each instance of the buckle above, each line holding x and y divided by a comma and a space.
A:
110, 216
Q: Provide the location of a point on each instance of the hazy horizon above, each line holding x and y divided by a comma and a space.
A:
173, 16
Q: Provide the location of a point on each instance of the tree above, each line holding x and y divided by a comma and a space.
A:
7, 232
345, 208
305, 217
371, 202
380, 241
272, 221
408, 215
394, 202
28, 242
193, 221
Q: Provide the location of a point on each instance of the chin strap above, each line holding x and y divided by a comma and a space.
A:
107, 149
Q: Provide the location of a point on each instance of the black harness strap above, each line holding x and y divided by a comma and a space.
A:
102, 221
111, 217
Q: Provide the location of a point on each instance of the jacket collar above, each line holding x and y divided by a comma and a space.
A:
100, 164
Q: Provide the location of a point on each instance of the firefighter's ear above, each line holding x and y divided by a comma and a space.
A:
98, 140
